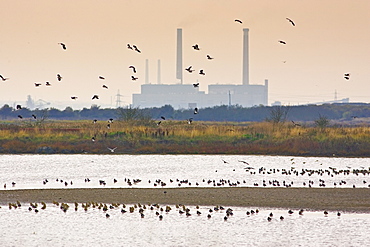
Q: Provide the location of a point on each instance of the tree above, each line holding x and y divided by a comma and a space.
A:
134, 115
322, 122
278, 114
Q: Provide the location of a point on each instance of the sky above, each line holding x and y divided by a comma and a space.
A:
331, 38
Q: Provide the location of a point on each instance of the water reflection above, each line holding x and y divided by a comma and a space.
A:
22, 227
122, 171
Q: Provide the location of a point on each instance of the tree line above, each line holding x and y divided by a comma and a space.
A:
221, 113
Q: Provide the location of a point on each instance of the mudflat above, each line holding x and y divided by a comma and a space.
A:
331, 199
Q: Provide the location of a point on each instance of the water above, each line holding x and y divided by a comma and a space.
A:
29, 171
21, 227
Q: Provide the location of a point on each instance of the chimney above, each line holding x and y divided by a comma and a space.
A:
159, 72
179, 55
245, 56
146, 71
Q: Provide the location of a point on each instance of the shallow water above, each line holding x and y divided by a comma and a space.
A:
21, 227
29, 171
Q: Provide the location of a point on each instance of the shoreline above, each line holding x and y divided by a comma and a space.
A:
311, 199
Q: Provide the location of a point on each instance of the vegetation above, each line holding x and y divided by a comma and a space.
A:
179, 137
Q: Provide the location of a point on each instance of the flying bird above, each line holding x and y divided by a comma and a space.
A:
112, 149
196, 47
282, 42
201, 72
163, 118
296, 124
95, 97
209, 57
290, 21
129, 47
225, 162
34, 116
20, 116
196, 110
18, 107
74, 97
110, 120
3, 78
346, 76
136, 49
93, 139
159, 123
37, 84
47, 83
104, 86
190, 120
101, 78
196, 84
63, 46
133, 68
134, 78
108, 126
236, 20
189, 69
245, 162
59, 77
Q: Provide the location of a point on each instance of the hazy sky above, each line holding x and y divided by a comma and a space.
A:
331, 37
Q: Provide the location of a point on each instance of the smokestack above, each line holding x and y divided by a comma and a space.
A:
245, 56
146, 71
179, 55
159, 72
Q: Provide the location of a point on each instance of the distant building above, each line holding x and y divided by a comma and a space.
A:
186, 96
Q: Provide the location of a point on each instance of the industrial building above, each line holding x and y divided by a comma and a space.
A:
183, 96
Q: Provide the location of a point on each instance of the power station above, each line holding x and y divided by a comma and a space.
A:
183, 96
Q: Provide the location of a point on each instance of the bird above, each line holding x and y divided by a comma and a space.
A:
225, 162
209, 57
112, 149
95, 120
282, 42
159, 123
129, 46
95, 97
201, 72
134, 78
190, 120
47, 83
110, 120
74, 97
34, 116
3, 78
101, 77
196, 84
59, 77
133, 68
136, 49
104, 86
295, 124
346, 76
239, 21
37, 84
195, 110
18, 107
108, 126
245, 162
196, 47
63, 46
20, 116
163, 117
290, 21
93, 139
189, 69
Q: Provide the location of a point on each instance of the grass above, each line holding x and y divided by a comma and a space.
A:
178, 137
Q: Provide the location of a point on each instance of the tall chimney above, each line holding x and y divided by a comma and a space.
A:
245, 56
159, 72
179, 55
146, 71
